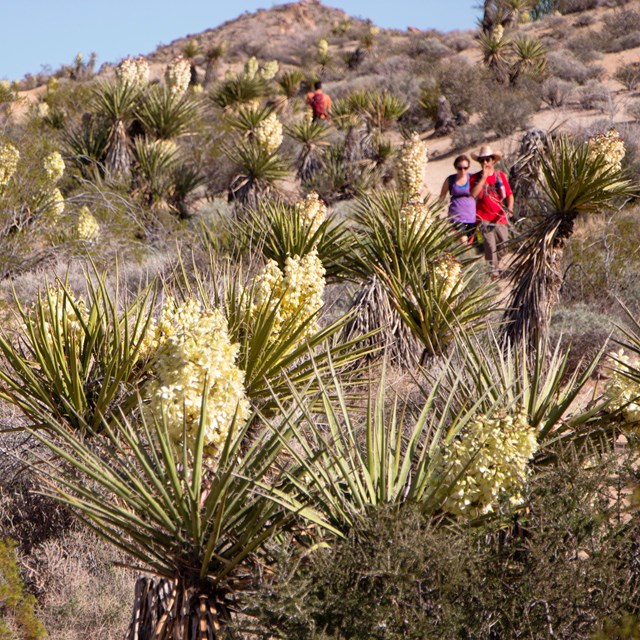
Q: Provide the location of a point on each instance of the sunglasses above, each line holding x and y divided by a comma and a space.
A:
462, 166
485, 159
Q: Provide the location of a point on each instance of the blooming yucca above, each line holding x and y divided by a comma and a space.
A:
134, 72
491, 457
269, 70
312, 211
53, 205
622, 391
298, 291
413, 158
268, 133
54, 166
177, 76
87, 227
251, 67
9, 157
196, 359
416, 212
498, 33
323, 48
609, 146
448, 271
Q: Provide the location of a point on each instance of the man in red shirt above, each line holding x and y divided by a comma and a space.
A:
319, 102
491, 190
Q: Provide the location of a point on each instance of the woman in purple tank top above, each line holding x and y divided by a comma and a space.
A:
462, 207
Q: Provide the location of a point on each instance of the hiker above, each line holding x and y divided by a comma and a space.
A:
319, 102
462, 207
491, 189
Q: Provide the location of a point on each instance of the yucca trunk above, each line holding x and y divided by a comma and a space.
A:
170, 610
373, 310
118, 156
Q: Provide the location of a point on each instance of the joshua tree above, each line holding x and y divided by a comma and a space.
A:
312, 135
529, 58
574, 182
212, 57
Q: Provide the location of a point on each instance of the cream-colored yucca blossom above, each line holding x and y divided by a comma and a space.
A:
374, 31
87, 227
312, 211
300, 289
323, 47
609, 146
623, 392
269, 70
134, 72
43, 109
178, 76
5, 85
54, 205
411, 165
491, 456
448, 271
251, 67
498, 33
9, 157
196, 359
268, 133
416, 212
54, 166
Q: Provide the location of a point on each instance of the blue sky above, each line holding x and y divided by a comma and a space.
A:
38, 33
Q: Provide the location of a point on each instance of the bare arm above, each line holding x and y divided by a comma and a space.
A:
445, 190
510, 204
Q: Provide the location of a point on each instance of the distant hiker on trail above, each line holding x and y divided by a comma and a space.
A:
491, 189
462, 207
319, 102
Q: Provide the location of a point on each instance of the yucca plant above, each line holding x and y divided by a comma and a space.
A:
528, 58
165, 116
155, 161
75, 361
86, 147
574, 183
496, 54
116, 103
257, 172
212, 56
200, 525
350, 460
280, 230
246, 118
239, 90
535, 377
289, 83
312, 136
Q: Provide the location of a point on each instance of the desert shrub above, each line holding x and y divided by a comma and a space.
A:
430, 49
633, 109
557, 92
585, 20
594, 95
618, 24
467, 136
586, 46
459, 41
567, 564
508, 111
575, 6
566, 66
628, 75
463, 84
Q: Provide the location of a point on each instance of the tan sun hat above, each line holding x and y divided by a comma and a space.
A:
485, 151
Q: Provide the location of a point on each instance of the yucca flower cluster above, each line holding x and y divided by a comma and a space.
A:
622, 391
87, 227
194, 360
251, 67
268, 133
54, 166
312, 211
411, 165
53, 205
610, 146
178, 76
133, 72
9, 157
269, 70
498, 33
448, 272
323, 48
416, 212
491, 457
298, 291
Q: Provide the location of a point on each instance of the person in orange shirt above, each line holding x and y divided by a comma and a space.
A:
319, 102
